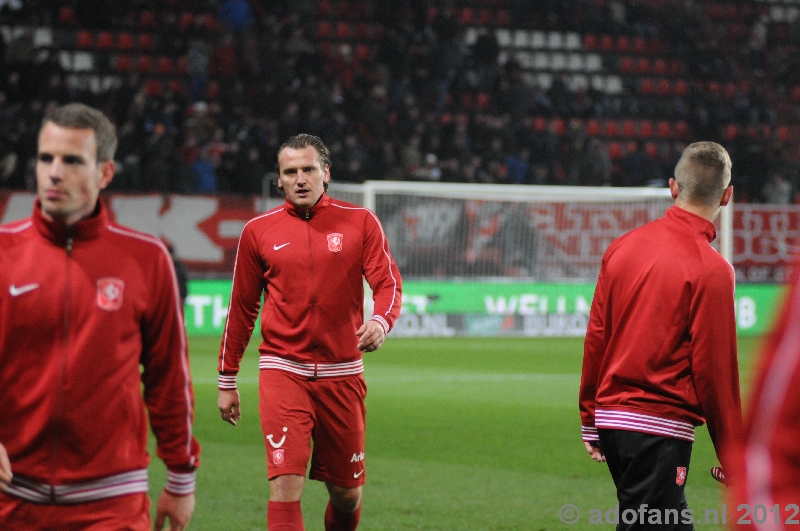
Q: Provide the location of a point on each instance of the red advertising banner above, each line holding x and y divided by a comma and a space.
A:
521, 240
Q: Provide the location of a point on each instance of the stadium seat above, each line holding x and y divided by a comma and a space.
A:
123, 63
590, 42
647, 86
144, 64
213, 90
342, 9
185, 20
794, 94
663, 129
362, 52
324, 8
651, 150
324, 30
681, 129
146, 42
681, 87
181, 65
731, 131
105, 41
484, 17
502, 18
714, 88
664, 87
676, 67
592, 127
84, 39
643, 65
360, 10
610, 128
659, 67
165, 65
623, 44
646, 128
210, 22
153, 88
628, 128
539, 124
66, 16
729, 90
362, 31
343, 30
783, 133
626, 65
606, 43
559, 126
147, 19
125, 41
482, 101
639, 45
466, 16
615, 150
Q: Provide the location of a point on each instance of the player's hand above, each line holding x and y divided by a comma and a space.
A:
595, 452
371, 336
178, 509
228, 402
5, 468
719, 474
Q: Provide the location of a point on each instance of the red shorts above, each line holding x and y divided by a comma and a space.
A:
130, 512
331, 412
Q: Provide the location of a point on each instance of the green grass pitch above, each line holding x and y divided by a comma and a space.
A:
462, 434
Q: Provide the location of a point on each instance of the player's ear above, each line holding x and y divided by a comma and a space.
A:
673, 188
107, 170
726, 196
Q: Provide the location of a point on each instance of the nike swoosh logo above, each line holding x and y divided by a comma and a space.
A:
16, 291
356, 476
276, 247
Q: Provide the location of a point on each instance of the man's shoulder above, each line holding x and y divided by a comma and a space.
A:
127, 238
16, 227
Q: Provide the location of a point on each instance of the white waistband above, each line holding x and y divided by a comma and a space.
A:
311, 370
108, 487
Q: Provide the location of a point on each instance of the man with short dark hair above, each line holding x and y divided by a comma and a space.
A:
90, 321
660, 349
309, 258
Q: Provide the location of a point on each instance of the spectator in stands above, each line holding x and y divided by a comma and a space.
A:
518, 166
485, 52
236, 16
205, 179
777, 190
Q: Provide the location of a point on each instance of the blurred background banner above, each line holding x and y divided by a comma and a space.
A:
489, 308
453, 238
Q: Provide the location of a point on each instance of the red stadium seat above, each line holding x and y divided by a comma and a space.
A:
623, 43
482, 101
165, 65
664, 88
660, 67
681, 87
484, 17
84, 39
783, 133
615, 150
502, 18
105, 41
153, 88
610, 128
593, 127
66, 16
729, 90
342, 9
210, 22
324, 8
559, 126
606, 43
651, 150
343, 30
181, 65
663, 129
676, 67
146, 42
125, 41
628, 128
794, 95
324, 30
362, 31
714, 88
626, 65
646, 128
147, 19
144, 64
647, 86
466, 16
639, 45
362, 52
185, 20
731, 131
681, 129
123, 63
643, 65
360, 10
589, 42
539, 124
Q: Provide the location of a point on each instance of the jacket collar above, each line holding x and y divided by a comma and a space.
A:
690, 222
86, 229
308, 213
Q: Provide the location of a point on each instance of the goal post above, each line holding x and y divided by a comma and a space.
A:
516, 232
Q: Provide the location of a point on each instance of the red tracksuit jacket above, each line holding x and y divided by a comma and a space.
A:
660, 349
80, 314
311, 266
767, 470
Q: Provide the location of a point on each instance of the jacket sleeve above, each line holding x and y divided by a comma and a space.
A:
382, 274
168, 393
715, 368
594, 347
246, 290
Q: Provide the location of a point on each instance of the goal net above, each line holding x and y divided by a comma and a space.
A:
519, 232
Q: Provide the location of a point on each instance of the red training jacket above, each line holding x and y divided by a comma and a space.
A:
310, 265
660, 349
767, 459
81, 313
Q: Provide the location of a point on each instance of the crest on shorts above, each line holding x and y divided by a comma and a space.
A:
109, 293
335, 242
680, 479
277, 456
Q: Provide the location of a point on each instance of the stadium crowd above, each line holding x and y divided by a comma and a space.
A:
419, 103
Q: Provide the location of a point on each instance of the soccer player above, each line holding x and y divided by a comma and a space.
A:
92, 344
309, 258
660, 349
767, 471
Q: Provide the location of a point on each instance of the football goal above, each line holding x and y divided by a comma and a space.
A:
519, 232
